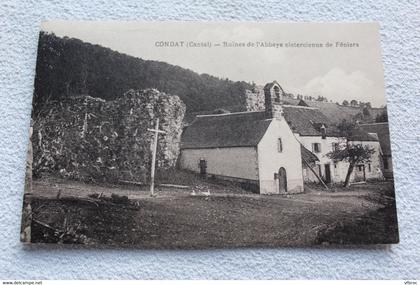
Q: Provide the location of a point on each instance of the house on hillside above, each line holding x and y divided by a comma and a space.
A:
317, 133
274, 150
255, 148
313, 123
382, 130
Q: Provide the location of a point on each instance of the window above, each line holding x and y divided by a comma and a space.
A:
335, 146
279, 145
369, 168
335, 165
316, 147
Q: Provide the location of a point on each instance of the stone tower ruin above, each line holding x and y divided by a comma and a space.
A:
90, 139
273, 100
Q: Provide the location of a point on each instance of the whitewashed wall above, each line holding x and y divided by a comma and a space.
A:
326, 146
270, 160
375, 161
339, 169
238, 162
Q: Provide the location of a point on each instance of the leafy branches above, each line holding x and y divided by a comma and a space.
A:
351, 151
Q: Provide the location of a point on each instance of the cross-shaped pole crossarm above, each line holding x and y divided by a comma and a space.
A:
155, 142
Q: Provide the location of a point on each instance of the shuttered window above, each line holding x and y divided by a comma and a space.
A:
316, 147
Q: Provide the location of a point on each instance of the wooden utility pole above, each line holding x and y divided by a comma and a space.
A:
154, 147
314, 172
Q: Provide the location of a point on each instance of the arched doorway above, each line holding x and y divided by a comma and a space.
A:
282, 180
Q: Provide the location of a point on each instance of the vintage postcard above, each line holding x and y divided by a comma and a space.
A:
209, 135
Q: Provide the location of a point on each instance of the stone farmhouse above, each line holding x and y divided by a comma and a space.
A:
313, 123
273, 147
317, 134
255, 148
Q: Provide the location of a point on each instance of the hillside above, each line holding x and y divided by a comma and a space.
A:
336, 113
67, 66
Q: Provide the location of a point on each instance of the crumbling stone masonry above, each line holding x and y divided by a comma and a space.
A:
254, 99
89, 139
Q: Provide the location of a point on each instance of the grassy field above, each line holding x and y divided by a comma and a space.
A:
229, 217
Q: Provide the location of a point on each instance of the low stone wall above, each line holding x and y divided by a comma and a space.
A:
89, 139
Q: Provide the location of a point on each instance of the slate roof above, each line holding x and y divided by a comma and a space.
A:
306, 121
308, 155
189, 117
336, 112
358, 134
227, 130
248, 128
382, 131
290, 101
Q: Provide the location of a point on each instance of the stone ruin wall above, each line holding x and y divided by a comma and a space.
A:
90, 139
254, 99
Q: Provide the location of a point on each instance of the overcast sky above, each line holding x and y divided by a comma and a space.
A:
337, 73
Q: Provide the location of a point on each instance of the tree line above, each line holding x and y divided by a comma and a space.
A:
68, 67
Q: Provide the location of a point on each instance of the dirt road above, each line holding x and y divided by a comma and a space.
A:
175, 219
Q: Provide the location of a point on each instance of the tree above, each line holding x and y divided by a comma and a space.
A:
68, 66
345, 103
353, 103
351, 152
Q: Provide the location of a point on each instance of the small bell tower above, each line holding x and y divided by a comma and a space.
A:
273, 100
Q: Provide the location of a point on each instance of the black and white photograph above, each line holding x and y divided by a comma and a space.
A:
194, 135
